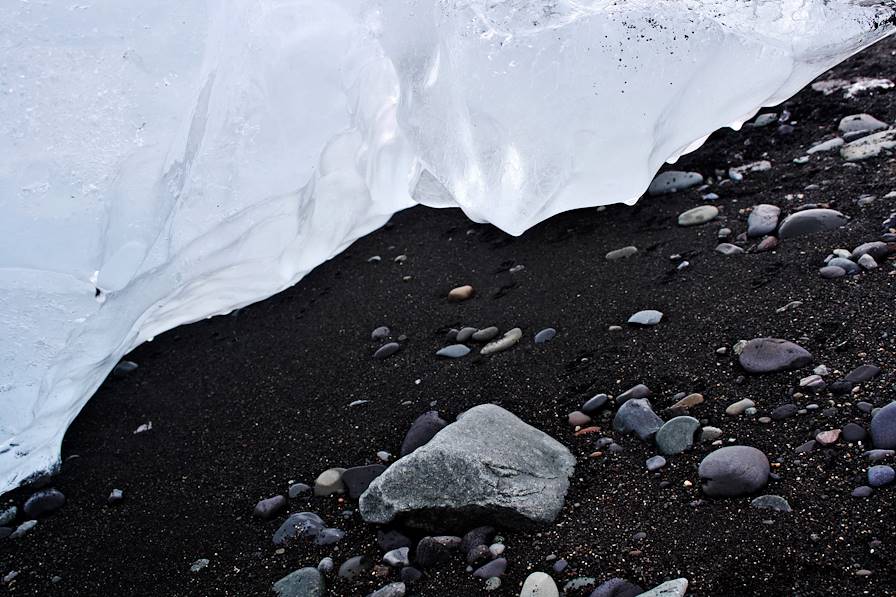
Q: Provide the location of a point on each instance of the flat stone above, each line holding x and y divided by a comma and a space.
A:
455, 351
655, 463
827, 438
698, 215
728, 249
466, 334
266, 509
488, 465
461, 293
329, 482
305, 582
880, 475
828, 145
771, 502
539, 584
877, 455
423, 429
623, 253
672, 588
862, 491
710, 434
739, 407
677, 435
506, 341
578, 419
770, 355
496, 567
357, 479
853, 433
830, 272
649, 317
387, 350
869, 147
44, 502
354, 567
883, 428
688, 402
380, 333
811, 221
545, 335
638, 391
877, 249
858, 124
485, 334
398, 557
672, 181
23, 529
763, 220
636, 416
862, 373
851, 268
733, 471
595, 404
769, 243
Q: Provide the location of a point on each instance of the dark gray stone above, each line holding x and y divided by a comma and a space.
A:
617, 587
486, 334
831, 272
489, 465
880, 475
268, 508
655, 463
883, 428
771, 502
785, 411
851, 268
545, 335
423, 429
433, 551
357, 479
392, 539
380, 333
410, 575
639, 391
300, 525
395, 589
636, 416
733, 471
496, 567
862, 373
862, 491
811, 221
305, 582
595, 404
770, 355
877, 249
354, 567
387, 350
123, 368
853, 433
763, 220
483, 535
43, 502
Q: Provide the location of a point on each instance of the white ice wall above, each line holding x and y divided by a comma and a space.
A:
182, 158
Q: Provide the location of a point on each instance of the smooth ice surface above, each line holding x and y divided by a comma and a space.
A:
166, 161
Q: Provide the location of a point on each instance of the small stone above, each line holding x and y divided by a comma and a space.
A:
23, 529
769, 243
739, 407
298, 489
539, 584
380, 333
623, 253
846, 265
578, 419
733, 471
398, 557
123, 368
395, 589
357, 479
305, 582
677, 435
831, 272
638, 391
423, 429
763, 220
785, 411
461, 293
876, 455
326, 565
862, 491
672, 181
655, 463
266, 509
486, 334
43, 502
728, 249
709, 434
771, 502
853, 433
410, 575
354, 567
455, 351
617, 587
880, 475
688, 402
829, 437
672, 588
8, 515
432, 551
595, 404
509, 339
867, 262
876, 249
545, 335
300, 525
862, 373
828, 145
329, 482
387, 350
496, 567
390, 540
859, 124
698, 215
648, 318
465, 334
637, 416
199, 565
806, 447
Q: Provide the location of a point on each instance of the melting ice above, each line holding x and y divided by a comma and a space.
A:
164, 162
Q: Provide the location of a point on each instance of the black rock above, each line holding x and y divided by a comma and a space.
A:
862, 373
785, 411
496, 567
639, 391
478, 536
432, 551
853, 433
357, 479
44, 502
593, 406
389, 540
410, 575
5, 532
387, 350
422, 430
841, 388
478, 554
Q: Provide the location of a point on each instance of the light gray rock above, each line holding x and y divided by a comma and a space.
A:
623, 253
828, 145
485, 334
380, 333
672, 181
860, 124
672, 588
655, 463
395, 589
506, 341
647, 317
877, 249
8, 515
305, 582
539, 584
728, 249
398, 557
636, 416
710, 434
769, 355
867, 261
329, 482
489, 465
698, 215
545, 335
455, 351
811, 221
831, 272
387, 350
869, 147
763, 219
676, 435
771, 502
734, 470
354, 567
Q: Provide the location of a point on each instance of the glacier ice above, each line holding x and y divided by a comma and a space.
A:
168, 161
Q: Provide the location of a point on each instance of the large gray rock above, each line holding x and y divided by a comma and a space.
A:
811, 221
769, 355
305, 582
489, 466
734, 470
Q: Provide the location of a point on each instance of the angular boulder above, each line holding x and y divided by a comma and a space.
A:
488, 466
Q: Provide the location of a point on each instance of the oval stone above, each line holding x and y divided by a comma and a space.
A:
733, 471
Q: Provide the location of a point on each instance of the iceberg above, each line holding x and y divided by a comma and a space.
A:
169, 161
